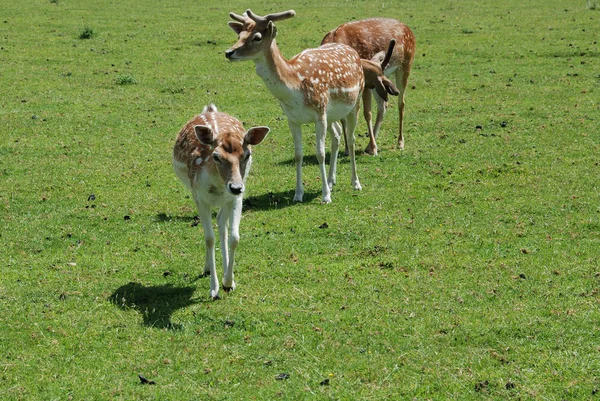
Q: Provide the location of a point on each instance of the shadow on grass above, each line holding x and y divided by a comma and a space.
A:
268, 201
156, 303
277, 200
311, 159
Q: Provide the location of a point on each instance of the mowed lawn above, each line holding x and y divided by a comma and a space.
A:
467, 268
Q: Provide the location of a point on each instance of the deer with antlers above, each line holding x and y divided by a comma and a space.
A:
319, 86
212, 157
370, 39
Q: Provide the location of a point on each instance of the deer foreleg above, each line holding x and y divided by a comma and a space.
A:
296, 130
372, 146
204, 213
321, 129
234, 216
401, 82
334, 130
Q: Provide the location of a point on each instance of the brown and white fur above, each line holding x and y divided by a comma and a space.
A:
212, 156
319, 86
370, 38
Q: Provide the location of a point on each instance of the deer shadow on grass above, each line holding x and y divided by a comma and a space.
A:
266, 201
155, 303
311, 159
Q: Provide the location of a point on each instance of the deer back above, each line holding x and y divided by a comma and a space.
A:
371, 36
329, 73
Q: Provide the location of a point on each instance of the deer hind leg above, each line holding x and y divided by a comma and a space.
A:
321, 130
346, 151
296, 130
401, 82
372, 146
350, 126
204, 213
334, 130
233, 216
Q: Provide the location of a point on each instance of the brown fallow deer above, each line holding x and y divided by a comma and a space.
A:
370, 38
212, 156
319, 86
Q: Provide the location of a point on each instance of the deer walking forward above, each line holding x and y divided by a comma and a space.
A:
370, 38
319, 86
212, 157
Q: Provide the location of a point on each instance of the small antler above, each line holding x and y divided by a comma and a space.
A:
388, 55
239, 18
269, 17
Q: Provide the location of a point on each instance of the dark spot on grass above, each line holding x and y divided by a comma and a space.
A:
143, 380
324, 225
282, 376
87, 33
482, 386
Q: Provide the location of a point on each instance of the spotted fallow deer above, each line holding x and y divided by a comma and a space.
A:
319, 86
370, 38
212, 156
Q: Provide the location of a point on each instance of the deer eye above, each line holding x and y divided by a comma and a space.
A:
246, 156
217, 158
257, 37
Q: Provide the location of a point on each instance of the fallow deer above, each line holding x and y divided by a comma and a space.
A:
212, 156
319, 86
370, 38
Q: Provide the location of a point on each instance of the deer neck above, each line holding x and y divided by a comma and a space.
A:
278, 74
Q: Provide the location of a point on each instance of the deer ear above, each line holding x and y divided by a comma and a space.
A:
205, 134
236, 26
390, 87
255, 135
272, 30
380, 89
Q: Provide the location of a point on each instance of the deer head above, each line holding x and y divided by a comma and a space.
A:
255, 33
374, 77
230, 156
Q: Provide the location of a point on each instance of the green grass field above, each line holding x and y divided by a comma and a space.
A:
467, 268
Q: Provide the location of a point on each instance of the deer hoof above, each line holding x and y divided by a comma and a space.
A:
370, 150
229, 288
214, 295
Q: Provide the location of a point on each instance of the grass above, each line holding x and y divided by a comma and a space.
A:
467, 268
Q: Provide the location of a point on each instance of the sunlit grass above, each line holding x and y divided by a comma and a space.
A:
466, 268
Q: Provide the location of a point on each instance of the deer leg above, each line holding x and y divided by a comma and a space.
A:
234, 215
346, 151
321, 130
296, 130
204, 213
334, 130
381, 109
350, 125
401, 82
372, 146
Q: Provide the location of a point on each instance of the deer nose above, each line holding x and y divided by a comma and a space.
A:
229, 53
236, 188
